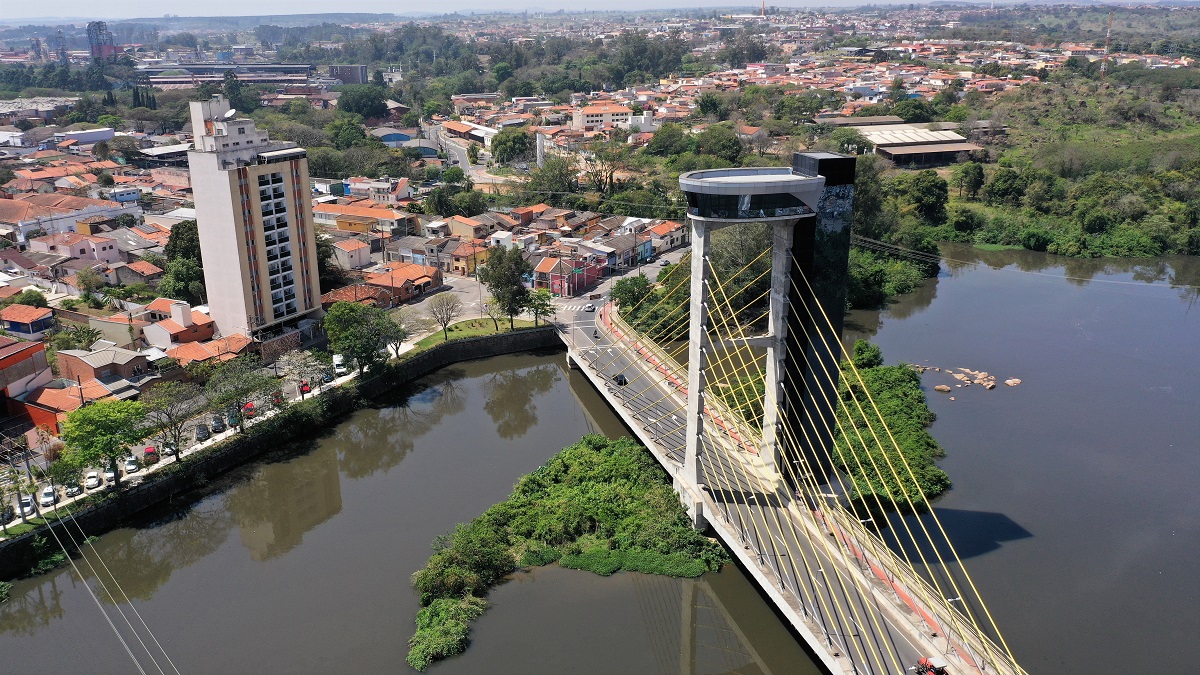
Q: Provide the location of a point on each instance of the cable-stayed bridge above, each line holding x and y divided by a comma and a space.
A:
736, 379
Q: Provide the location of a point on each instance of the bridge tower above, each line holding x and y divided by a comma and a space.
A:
809, 207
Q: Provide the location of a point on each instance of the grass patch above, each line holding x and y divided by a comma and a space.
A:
999, 247
471, 328
600, 505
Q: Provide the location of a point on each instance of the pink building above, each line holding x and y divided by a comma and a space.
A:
83, 246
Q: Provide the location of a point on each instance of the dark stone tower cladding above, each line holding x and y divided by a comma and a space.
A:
820, 251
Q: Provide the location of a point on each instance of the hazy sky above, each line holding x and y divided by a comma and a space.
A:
120, 9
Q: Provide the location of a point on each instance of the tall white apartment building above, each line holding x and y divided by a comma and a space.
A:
254, 215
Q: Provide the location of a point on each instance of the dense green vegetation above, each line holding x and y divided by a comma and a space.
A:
600, 505
896, 390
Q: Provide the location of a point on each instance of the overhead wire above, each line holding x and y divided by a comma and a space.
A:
116, 602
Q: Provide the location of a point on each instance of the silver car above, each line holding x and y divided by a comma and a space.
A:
48, 496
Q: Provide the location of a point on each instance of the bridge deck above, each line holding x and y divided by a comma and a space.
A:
815, 564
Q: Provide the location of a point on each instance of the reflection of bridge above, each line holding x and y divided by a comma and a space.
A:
791, 477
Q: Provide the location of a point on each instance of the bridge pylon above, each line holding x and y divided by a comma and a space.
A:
809, 207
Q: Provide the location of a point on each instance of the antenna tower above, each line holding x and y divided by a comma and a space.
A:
1107, 45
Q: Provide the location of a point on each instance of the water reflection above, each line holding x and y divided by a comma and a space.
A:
40, 605
285, 500
510, 398
379, 441
1179, 272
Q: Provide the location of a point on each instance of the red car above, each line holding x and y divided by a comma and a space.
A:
277, 398
304, 388
249, 410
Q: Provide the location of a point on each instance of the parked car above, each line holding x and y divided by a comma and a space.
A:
304, 387
339, 365
48, 496
589, 307
150, 456
73, 490
218, 424
131, 465
233, 418
202, 433
169, 449
93, 480
664, 262
249, 411
7, 513
277, 397
27, 507
110, 474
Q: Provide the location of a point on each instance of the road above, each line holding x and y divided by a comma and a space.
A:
456, 149
793, 545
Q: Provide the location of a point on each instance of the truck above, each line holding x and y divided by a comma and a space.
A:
339, 365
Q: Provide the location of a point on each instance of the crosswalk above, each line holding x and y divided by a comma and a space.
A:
575, 306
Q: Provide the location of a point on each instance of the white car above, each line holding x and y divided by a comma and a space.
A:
589, 307
131, 465
110, 474
93, 480
27, 507
48, 496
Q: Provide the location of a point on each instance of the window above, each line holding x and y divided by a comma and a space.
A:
241, 131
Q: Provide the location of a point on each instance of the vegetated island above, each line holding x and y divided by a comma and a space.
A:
601, 505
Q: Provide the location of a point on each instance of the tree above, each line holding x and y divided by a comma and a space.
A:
83, 336
553, 181
541, 303
361, 332
89, 281
511, 143
866, 355
346, 132
709, 104
171, 404
968, 177
299, 366
925, 190
101, 150
601, 164
184, 242
494, 312
364, 100
104, 179
454, 175
236, 382
469, 203
670, 139
232, 88
504, 275
719, 141
502, 71
473, 153
184, 280
849, 141
30, 297
631, 291
99, 434
445, 308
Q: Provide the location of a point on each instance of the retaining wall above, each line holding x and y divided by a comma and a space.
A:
19, 554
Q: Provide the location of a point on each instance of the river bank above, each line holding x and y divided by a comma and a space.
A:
23, 555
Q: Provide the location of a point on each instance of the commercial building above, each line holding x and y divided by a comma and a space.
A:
356, 74
255, 222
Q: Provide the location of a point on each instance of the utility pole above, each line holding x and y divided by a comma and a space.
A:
1107, 45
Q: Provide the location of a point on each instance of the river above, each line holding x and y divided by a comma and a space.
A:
300, 563
1074, 502
1073, 506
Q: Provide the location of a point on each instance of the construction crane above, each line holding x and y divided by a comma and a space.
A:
1107, 44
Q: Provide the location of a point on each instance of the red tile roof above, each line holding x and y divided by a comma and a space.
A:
25, 313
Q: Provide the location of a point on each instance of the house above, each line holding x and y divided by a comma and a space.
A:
27, 322
666, 236
406, 280
391, 137
364, 294
137, 272
106, 362
119, 329
592, 117
467, 257
182, 326
47, 406
408, 250
216, 351
380, 190
567, 276
82, 246
469, 228
351, 254
23, 367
